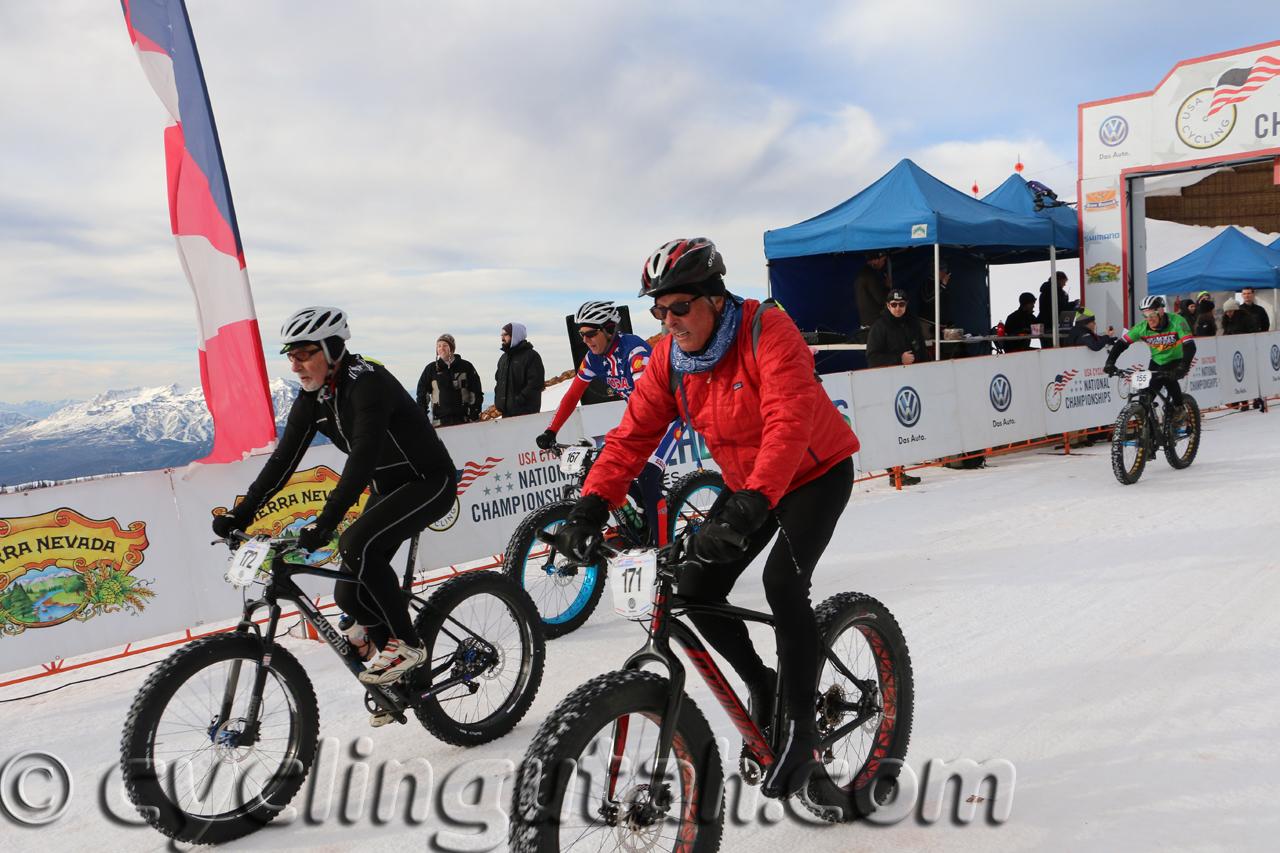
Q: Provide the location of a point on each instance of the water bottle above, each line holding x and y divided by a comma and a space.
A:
356, 636
1000, 330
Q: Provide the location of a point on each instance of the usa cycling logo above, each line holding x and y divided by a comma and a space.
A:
1001, 392
907, 407
1113, 131
1237, 365
1275, 357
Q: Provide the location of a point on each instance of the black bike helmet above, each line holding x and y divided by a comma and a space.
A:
684, 266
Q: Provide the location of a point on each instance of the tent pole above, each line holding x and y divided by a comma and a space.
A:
937, 302
1053, 290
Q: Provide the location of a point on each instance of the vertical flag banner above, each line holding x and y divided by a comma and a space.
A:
232, 370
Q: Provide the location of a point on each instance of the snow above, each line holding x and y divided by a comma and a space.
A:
1116, 644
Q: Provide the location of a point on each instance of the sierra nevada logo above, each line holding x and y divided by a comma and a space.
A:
1001, 392
1113, 131
907, 407
1102, 272
298, 504
60, 565
1101, 200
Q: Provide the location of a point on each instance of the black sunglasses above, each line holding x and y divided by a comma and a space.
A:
297, 356
897, 305
680, 309
588, 334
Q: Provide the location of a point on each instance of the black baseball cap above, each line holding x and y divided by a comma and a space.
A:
896, 295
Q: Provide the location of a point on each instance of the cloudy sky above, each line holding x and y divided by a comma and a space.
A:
453, 166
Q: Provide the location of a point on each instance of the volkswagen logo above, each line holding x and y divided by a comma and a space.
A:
1275, 357
1001, 392
1113, 131
1237, 365
907, 407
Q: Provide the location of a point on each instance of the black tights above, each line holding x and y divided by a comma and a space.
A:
1161, 376
806, 519
370, 543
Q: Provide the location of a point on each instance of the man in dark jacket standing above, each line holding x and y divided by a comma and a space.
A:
449, 390
870, 287
1259, 313
1019, 324
520, 377
1046, 317
896, 337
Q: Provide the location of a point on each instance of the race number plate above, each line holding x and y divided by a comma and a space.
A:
1140, 379
634, 575
246, 562
573, 460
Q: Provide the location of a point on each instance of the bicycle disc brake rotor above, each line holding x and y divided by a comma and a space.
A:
640, 820
226, 741
476, 657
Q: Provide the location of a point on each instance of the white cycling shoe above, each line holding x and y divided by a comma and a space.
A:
393, 663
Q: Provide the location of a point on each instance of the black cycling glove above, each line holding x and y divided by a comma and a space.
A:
236, 519
725, 537
547, 440
313, 537
581, 532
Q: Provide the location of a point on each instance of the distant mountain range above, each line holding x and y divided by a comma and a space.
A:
140, 429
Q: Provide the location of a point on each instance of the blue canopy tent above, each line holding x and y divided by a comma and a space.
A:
1016, 196
812, 265
1274, 244
1227, 262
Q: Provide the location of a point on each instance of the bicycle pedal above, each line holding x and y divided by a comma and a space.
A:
381, 719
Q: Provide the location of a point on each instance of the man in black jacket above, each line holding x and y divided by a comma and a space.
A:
896, 337
870, 287
391, 449
520, 377
450, 386
1259, 313
1019, 323
1046, 317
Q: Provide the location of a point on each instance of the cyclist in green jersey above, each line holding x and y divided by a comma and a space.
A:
1172, 348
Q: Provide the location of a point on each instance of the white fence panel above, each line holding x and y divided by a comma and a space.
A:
1076, 393
906, 414
1204, 382
1268, 349
1237, 368
1000, 399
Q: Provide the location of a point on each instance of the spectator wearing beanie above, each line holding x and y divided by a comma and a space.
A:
1084, 333
1235, 321
1206, 326
449, 390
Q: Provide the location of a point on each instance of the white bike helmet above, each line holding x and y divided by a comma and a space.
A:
1152, 303
319, 325
597, 314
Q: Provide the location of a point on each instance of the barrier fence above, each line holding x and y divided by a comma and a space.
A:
112, 563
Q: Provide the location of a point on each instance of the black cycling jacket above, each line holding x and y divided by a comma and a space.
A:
369, 416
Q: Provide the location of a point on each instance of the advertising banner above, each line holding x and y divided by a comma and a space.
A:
1238, 366
1204, 382
906, 415
89, 566
1076, 393
1000, 399
1268, 353
840, 390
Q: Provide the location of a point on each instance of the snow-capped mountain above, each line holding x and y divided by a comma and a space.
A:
139, 429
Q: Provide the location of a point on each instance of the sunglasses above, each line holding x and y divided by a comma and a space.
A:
897, 305
588, 334
680, 309
297, 356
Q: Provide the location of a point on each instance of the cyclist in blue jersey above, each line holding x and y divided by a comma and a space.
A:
619, 360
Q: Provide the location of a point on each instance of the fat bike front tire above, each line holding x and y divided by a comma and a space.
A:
565, 595
1129, 443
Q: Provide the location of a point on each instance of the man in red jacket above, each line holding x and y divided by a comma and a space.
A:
784, 450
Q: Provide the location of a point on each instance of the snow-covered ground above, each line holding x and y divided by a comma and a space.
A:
1117, 644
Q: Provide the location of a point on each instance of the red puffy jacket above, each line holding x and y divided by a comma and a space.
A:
765, 417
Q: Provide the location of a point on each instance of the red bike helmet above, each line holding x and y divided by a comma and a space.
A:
684, 266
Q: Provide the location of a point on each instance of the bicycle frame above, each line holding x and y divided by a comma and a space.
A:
657, 649
394, 698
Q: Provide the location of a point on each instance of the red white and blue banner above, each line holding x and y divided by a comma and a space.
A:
232, 369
